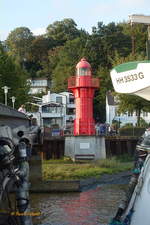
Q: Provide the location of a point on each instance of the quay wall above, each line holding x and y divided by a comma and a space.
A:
53, 148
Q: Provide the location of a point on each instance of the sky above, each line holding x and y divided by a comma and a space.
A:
38, 14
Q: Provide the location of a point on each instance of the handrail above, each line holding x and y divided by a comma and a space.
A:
74, 82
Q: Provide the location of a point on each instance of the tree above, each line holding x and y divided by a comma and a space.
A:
100, 95
138, 36
37, 64
67, 58
62, 31
13, 76
107, 40
39, 48
94, 52
129, 103
19, 42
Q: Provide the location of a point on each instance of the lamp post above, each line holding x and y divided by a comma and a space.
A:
13, 99
5, 88
136, 18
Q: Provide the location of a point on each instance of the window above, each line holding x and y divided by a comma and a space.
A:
51, 109
48, 109
83, 72
58, 99
50, 122
39, 83
71, 99
130, 113
145, 114
70, 111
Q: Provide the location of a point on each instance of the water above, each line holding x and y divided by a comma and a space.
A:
92, 207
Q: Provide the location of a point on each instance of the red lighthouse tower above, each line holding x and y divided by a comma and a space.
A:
83, 86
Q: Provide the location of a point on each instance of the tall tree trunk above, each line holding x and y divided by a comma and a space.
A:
138, 117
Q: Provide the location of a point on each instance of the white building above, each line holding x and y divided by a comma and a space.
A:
128, 117
56, 110
111, 108
38, 85
66, 99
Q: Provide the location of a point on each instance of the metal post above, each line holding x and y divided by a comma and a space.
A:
5, 98
5, 88
148, 43
13, 101
133, 39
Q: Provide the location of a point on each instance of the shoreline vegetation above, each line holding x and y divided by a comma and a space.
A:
66, 169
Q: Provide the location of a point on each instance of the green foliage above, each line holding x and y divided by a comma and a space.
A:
127, 125
112, 38
125, 158
100, 95
138, 34
40, 47
19, 42
117, 59
143, 123
116, 124
131, 131
61, 170
62, 31
68, 57
13, 76
132, 103
55, 54
38, 63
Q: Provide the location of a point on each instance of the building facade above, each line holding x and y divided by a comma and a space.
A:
57, 110
128, 117
38, 85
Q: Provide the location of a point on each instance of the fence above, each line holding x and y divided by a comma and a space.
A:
115, 145
119, 145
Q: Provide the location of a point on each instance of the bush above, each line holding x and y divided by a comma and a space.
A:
143, 123
131, 131
127, 125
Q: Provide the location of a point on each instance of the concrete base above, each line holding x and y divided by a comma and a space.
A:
35, 177
85, 147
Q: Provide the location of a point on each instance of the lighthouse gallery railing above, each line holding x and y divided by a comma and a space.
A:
77, 82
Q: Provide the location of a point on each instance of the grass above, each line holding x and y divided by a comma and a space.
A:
65, 169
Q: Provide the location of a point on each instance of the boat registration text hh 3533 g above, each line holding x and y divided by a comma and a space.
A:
130, 78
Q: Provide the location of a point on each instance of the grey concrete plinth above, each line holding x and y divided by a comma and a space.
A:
35, 178
85, 147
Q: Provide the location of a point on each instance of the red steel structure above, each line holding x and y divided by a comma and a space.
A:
83, 86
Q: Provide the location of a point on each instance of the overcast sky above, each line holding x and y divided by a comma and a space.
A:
38, 14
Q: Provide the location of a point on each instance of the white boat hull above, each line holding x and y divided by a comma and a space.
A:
140, 201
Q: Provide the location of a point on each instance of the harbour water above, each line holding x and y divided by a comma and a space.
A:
95, 206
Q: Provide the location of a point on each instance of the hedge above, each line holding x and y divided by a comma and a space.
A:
131, 131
